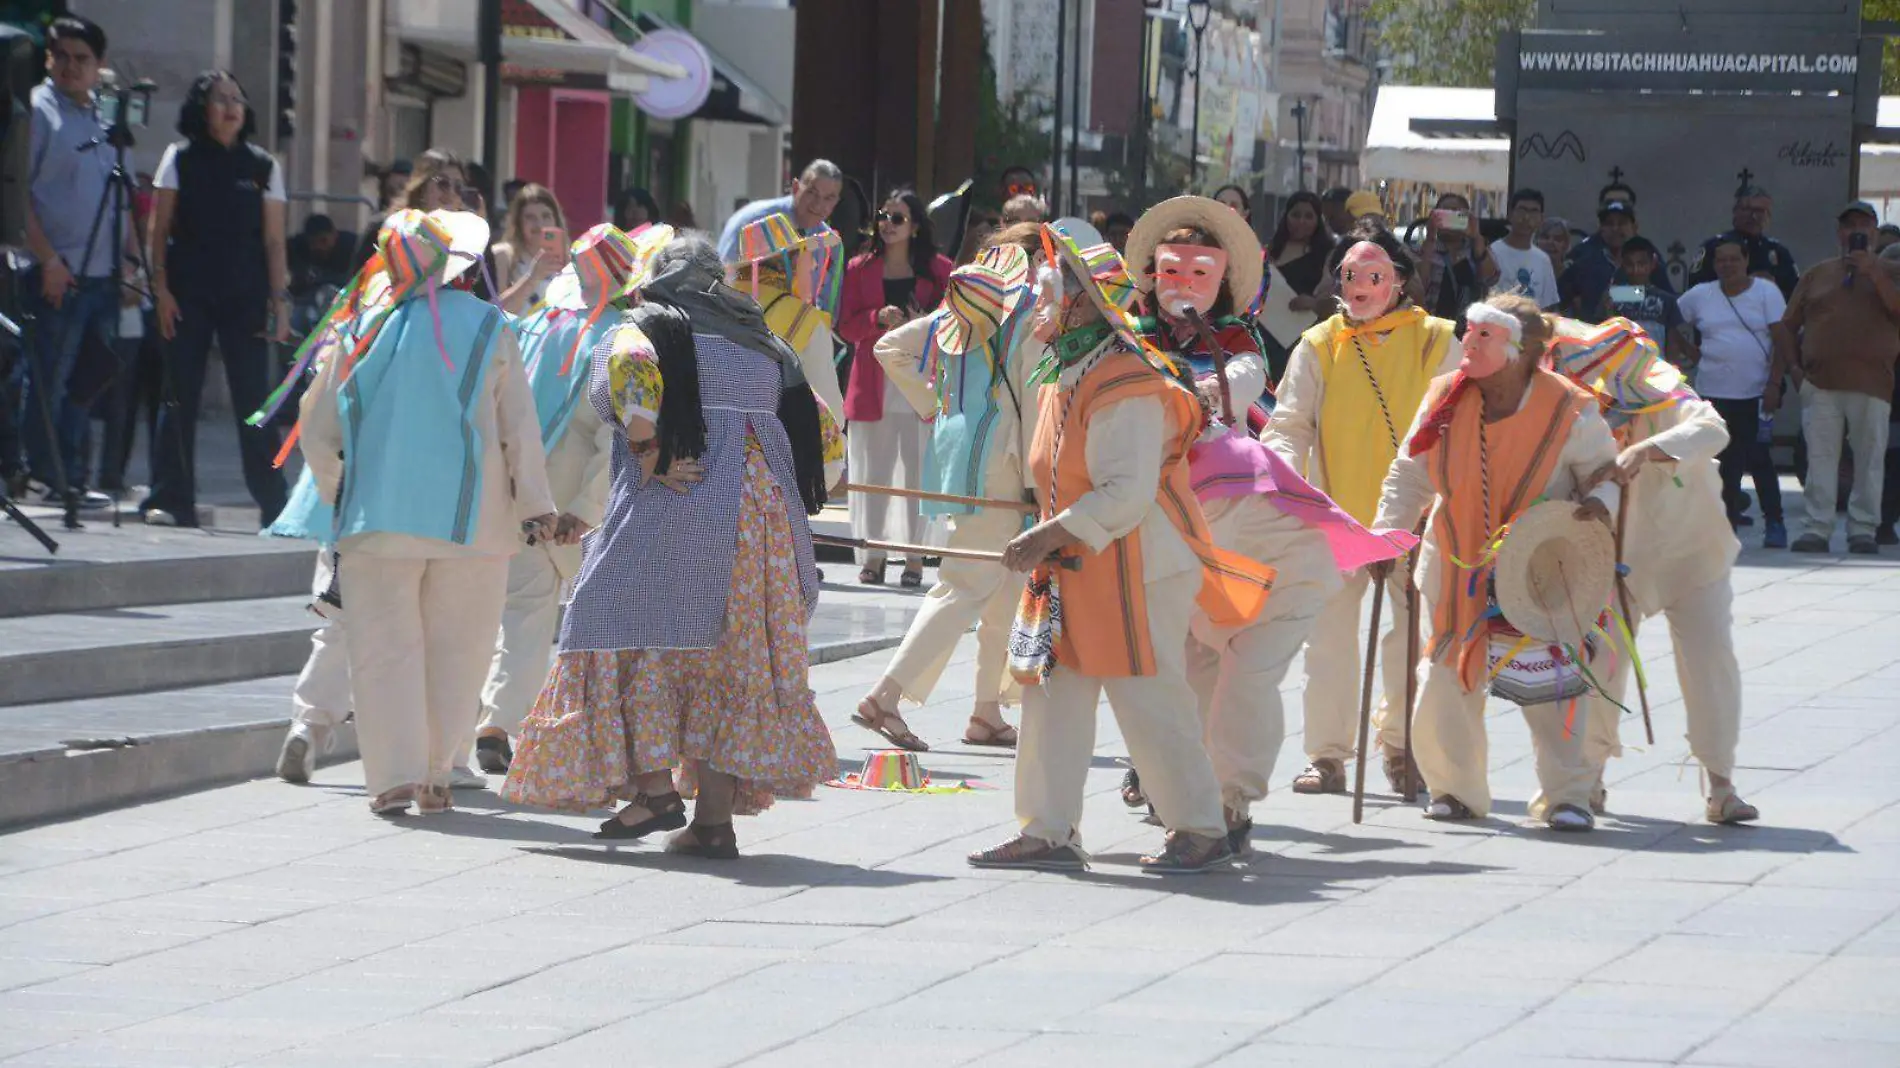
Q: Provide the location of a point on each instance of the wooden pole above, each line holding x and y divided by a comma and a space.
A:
1623, 602
1219, 356
1410, 786
1365, 703
1067, 562
946, 498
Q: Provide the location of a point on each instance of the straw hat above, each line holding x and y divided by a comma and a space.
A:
1245, 258
1555, 573
621, 258
980, 297
806, 259
1103, 274
416, 246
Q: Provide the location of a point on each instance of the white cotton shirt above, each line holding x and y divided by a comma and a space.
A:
166, 177
1736, 347
1527, 271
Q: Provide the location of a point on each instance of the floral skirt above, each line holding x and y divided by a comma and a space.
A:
744, 707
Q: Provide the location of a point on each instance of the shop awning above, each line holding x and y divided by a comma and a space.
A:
735, 97
549, 36
1395, 151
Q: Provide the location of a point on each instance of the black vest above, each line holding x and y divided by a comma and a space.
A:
217, 233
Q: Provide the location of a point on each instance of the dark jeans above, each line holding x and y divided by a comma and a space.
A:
1744, 453
235, 320
56, 335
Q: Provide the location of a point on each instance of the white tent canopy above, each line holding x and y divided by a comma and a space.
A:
1394, 153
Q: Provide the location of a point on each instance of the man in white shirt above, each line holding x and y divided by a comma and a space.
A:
1522, 266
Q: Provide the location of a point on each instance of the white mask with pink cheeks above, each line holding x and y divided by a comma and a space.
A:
1368, 282
1493, 338
1188, 276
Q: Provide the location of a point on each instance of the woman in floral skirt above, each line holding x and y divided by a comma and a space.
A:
682, 669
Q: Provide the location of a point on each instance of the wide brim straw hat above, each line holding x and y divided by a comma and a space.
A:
1102, 272
414, 246
980, 297
1555, 573
1246, 262
1619, 362
622, 258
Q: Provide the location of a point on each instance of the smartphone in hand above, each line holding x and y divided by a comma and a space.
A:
1451, 219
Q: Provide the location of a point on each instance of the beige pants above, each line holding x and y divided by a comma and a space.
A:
1335, 671
967, 593
525, 644
1828, 418
1238, 686
1701, 627
1156, 715
1449, 743
321, 697
422, 632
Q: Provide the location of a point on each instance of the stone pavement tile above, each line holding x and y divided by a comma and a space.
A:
1362, 1019
1029, 911
1775, 1038
1226, 913
1489, 954
1597, 1035
418, 1040
874, 1040
1793, 919
1036, 988
1271, 1051
1844, 985
1102, 1051
789, 936
1229, 995
102, 938
612, 985
1715, 962
1881, 942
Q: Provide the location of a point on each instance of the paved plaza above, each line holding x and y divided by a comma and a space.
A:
263, 924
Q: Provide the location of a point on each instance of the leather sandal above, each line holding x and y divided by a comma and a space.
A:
714, 841
983, 732
877, 719
1401, 773
1322, 776
1449, 809
665, 812
1131, 790
434, 800
1726, 806
393, 802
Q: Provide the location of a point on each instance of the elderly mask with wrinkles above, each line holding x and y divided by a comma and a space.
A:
1493, 338
1368, 281
1188, 276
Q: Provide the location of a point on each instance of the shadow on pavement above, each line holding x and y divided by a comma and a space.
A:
768, 870
1266, 879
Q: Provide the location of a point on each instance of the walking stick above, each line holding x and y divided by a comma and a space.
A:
1629, 621
1069, 562
1219, 355
1409, 786
945, 498
1365, 703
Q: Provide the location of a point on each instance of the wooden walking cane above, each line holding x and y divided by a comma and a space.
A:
1410, 785
1629, 621
945, 498
1365, 703
1067, 562
1219, 355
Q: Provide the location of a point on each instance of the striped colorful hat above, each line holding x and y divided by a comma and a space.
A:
980, 297
804, 259
1104, 274
1618, 362
774, 235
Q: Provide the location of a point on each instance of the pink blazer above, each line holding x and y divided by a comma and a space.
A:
857, 323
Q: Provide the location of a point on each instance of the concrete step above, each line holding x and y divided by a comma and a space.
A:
65, 758
71, 656
134, 566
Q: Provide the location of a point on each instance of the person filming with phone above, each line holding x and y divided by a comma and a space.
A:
1839, 338
1456, 264
535, 248
219, 269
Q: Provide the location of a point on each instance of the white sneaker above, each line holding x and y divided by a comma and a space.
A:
297, 761
463, 777
159, 517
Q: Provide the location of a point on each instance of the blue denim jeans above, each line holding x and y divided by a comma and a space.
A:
55, 337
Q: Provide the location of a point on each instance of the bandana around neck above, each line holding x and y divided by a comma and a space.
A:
1069, 349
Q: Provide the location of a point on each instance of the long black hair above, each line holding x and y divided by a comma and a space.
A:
682, 424
192, 120
1322, 240
923, 240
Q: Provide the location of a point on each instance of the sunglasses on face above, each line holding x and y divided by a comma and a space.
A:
895, 218
1017, 189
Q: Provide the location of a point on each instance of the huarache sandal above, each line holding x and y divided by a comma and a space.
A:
1572, 818
665, 812
394, 802
714, 841
1184, 853
879, 721
1725, 807
983, 732
1448, 809
434, 800
1322, 776
910, 580
871, 576
1131, 790
1402, 775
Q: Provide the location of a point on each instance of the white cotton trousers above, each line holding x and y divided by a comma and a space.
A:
422, 636
1158, 722
1237, 686
1702, 629
1449, 743
1335, 671
1830, 417
887, 452
967, 593
321, 697
524, 647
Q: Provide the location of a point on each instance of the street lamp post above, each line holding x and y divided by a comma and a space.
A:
1198, 14
1299, 153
